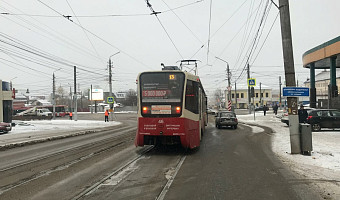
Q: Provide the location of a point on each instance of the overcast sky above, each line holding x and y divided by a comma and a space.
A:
36, 40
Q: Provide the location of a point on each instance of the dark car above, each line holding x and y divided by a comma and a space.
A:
5, 127
284, 117
324, 118
226, 118
261, 108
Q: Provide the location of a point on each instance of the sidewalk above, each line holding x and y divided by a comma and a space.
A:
321, 168
28, 132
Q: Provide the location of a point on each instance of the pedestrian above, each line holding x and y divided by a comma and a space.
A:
264, 110
275, 109
106, 116
70, 115
303, 115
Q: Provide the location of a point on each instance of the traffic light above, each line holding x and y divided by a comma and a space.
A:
252, 92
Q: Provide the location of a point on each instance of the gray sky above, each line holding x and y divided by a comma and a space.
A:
35, 40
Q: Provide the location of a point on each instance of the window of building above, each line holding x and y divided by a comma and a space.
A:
242, 95
257, 95
238, 95
267, 95
232, 95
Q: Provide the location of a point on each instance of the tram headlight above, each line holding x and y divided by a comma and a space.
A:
178, 110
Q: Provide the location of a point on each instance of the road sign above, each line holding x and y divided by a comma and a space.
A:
295, 92
251, 82
110, 100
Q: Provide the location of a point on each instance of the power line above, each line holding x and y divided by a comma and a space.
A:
100, 38
95, 50
153, 12
209, 32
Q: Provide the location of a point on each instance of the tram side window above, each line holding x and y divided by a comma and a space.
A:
191, 97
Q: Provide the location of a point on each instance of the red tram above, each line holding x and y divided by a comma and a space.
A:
172, 109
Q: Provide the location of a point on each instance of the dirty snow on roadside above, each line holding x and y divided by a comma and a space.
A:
322, 167
46, 125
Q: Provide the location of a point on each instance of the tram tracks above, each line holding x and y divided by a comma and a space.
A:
24, 172
117, 177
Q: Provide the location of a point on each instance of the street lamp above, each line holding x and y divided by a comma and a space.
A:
110, 84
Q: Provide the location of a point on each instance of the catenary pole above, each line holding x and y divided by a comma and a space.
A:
53, 97
289, 75
110, 85
280, 92
75, 93
249, 98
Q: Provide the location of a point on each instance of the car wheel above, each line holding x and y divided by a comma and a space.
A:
218, 126
235, 127
316, 127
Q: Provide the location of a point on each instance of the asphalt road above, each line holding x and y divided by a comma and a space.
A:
230, 164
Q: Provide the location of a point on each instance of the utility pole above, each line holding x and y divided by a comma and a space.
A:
53, 96
280, 83
235, 96
260, 95
75, 93
91, 100
290, 75
70, 100
249, 98
110, 85
229, 86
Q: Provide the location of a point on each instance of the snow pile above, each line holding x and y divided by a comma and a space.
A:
47, 125
323, 165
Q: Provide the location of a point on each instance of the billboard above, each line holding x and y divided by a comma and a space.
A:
97, 95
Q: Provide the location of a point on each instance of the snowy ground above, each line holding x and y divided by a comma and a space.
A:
321, 168
55, 125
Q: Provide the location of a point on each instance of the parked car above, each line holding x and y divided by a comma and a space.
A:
5, 127
226, 118
211, 111
261, 108
284, 117
324, 118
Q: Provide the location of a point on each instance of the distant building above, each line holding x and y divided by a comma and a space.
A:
261, 98
322, 80
6, 97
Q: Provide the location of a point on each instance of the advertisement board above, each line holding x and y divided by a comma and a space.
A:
97, 95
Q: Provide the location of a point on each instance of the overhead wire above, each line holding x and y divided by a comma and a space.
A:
209, 29
103, 40
52, 34
153, 12
94, 48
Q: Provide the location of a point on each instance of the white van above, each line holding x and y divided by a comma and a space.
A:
44, 112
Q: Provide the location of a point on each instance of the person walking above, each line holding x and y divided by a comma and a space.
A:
302, 114
106, 116
70, 115
275, 109
264, 110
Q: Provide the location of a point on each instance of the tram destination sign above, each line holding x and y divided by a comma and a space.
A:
295, 91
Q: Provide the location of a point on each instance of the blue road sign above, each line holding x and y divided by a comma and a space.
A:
295, 92
110, 100
251, 82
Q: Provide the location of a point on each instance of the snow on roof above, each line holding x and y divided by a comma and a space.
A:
325, 75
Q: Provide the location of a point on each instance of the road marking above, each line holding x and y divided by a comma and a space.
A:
170, 180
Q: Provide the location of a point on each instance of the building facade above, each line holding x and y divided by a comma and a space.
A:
5, 102
263, 96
